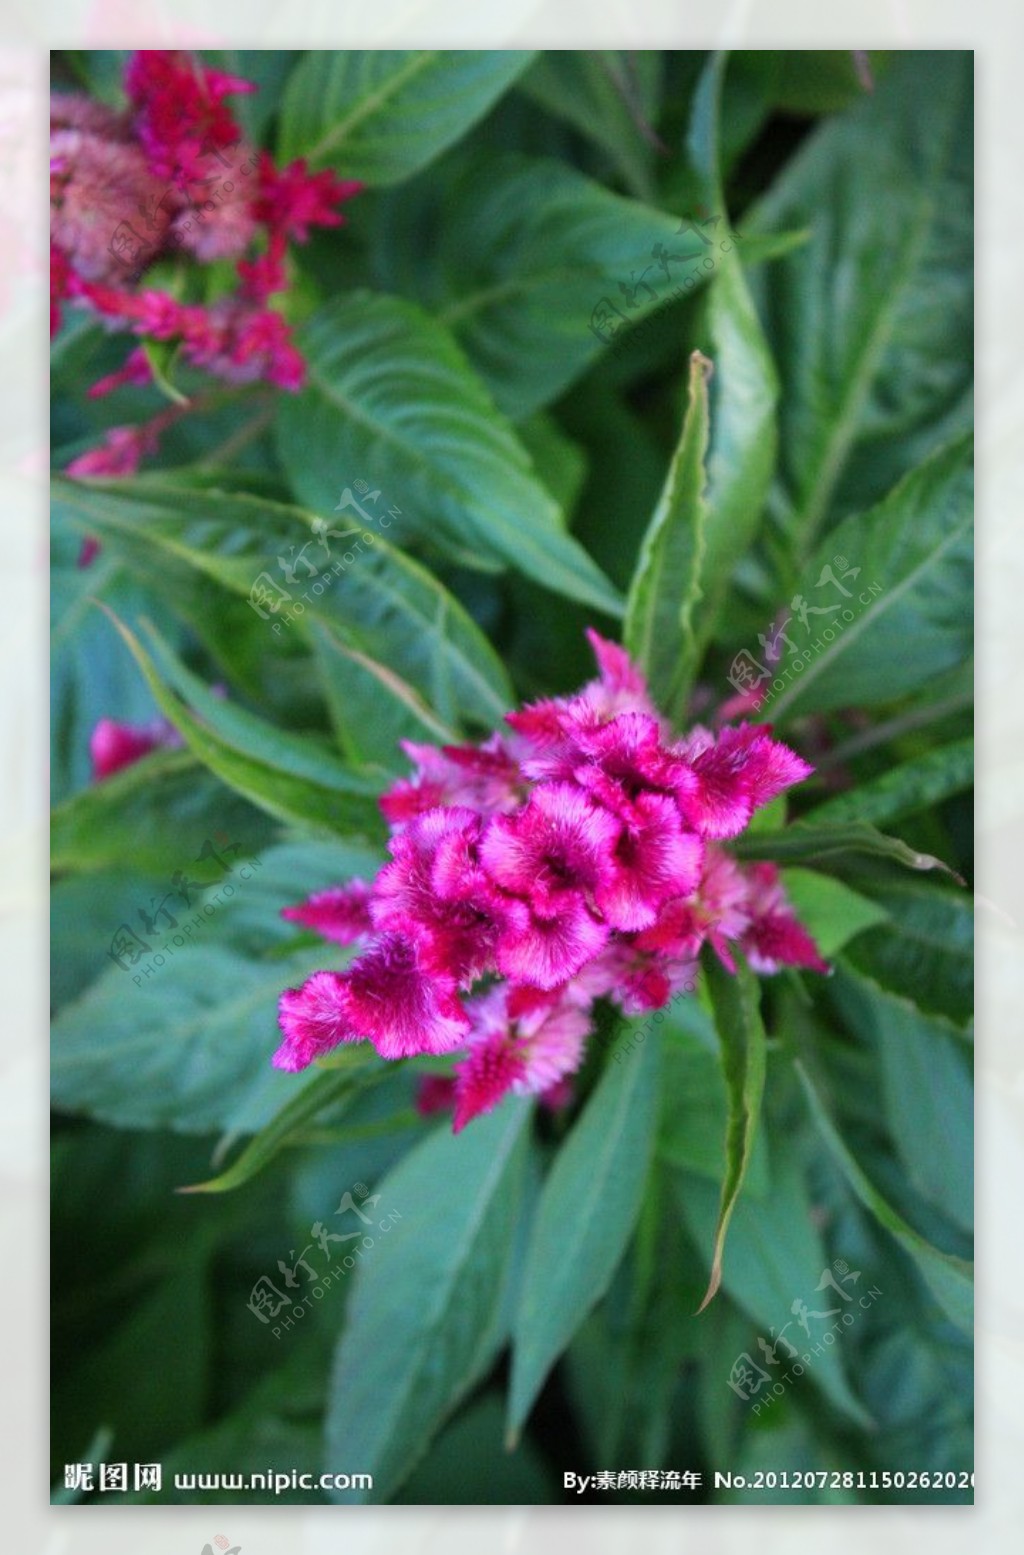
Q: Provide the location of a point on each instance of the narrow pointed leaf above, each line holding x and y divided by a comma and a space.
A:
832, 913
284, 774
186, 1047
871, 321
371, 707
900, 620
332, 1088
735, 1000
155, 802
744, 390
914, 785
425, 1319
391, 607
666, 585
588, 1207
392, 400
950, 1279
803, 841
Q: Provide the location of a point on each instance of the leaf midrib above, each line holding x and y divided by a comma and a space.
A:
467, 498
593, 1194
389, 87
197, 562
434, 1314
876, 342
199, 1024
878, 608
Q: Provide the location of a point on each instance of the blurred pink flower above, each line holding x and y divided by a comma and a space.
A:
172, 178
113, 745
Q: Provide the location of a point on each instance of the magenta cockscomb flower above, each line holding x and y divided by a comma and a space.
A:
774, 937
576, 857
523, 1040
114, 745
172, 177
340, 913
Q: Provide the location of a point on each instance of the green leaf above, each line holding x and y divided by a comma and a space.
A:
391, 608
658, 631
832, 913
909, 609
611, 95
925, 953
340, 1084
927, 1089
560, 463
371, 707
623, 1370
776, 1254
744, 387
694, 1118
380, 114
154, 812
535, 267
735, 1002
810, 80
467, 1465
391, 400
187, 1047
161, 356
950, 1279
804, 841
87, 908
425, 1315
919, 784
90, 675
871, 321
588, 1207
285, 774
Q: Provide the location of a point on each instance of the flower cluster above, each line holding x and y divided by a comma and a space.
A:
575, 857
131, 188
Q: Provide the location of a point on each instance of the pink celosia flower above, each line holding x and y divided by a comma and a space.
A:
572, 860
384, 991
775, 938
521, 1041
153, 183
179, 111
115, 745
314, 1020
737, 772
435, 1093
291, 199
559, 842
136, 370
485, 777
120, 453
60, 279
341, 913
436, 892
